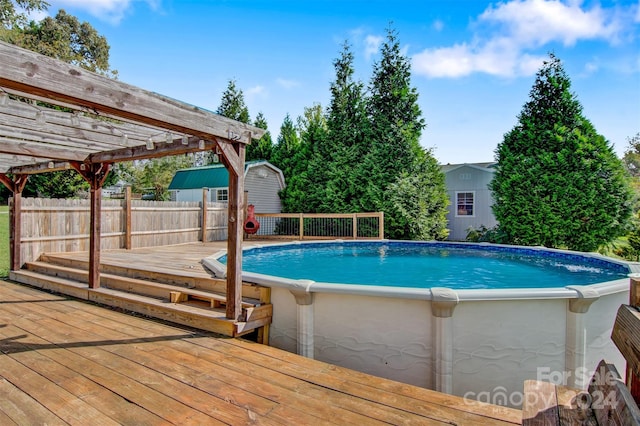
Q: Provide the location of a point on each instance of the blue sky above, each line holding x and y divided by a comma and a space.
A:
473, 62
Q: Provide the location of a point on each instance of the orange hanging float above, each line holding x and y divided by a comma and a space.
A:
251, 225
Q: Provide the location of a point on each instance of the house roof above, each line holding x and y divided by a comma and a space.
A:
214, 176
487, 167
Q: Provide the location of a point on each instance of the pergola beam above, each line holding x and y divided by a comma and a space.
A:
86, 145
29, 72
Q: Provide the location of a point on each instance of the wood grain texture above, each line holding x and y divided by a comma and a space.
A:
73, 362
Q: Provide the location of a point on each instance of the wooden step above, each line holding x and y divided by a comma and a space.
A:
202, 316
173, 293
149, 273
56, 284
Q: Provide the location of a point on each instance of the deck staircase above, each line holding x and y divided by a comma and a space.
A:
188, 299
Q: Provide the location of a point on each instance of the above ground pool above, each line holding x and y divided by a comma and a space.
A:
431, 264
474, 320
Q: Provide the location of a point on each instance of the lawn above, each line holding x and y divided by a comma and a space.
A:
4, 241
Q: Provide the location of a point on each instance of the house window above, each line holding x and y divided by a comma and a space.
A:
465, 203
222, 195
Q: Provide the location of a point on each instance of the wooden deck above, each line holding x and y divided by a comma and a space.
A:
67, 361
166, 282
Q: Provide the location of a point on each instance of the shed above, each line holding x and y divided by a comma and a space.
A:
263, 182
470, 197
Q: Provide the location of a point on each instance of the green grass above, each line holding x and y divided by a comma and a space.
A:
4, 242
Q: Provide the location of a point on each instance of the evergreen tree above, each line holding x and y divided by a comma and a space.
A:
304, 190
558, 182
284, 151
260, 149
232, 106
340, 153
395, 160
396, 118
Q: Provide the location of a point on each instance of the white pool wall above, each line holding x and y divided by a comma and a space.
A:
481, 344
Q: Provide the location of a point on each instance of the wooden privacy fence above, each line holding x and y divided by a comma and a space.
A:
321, 226
62, 225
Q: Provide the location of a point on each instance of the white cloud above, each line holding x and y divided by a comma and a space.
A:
438, 25
371, 45
495, 58
537, 22
509, 34
254, 91
287, 84
108, 10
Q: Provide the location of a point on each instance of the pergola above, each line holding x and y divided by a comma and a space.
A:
104, 121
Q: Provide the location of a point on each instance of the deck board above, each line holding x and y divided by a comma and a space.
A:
65, 361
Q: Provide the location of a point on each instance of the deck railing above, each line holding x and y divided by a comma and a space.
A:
315, 226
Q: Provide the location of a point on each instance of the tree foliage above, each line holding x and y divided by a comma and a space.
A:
232, 104
558, 182
62, 37
62, 184
304, 189
341, 152
261, 149
631, 160
418, 201
394, 159
14, 14
364, 153
154, 176
285, 150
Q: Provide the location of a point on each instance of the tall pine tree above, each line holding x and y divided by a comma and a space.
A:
285, 150
394, 159
305, 183
558, 182
260, 149
232, 106
345, 145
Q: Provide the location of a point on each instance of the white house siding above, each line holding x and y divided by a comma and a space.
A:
192, 195
475, 179
262, 184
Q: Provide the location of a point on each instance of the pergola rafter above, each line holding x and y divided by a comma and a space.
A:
101, 121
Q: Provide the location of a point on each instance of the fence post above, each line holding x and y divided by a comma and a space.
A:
355, 226
205, 193
127, 218
301, 226
381, 226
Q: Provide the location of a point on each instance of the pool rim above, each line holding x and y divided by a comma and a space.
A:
590, 291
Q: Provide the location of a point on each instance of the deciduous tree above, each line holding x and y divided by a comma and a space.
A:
62, 37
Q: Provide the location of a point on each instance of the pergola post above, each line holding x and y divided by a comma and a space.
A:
95, 174
233, 159
15, 217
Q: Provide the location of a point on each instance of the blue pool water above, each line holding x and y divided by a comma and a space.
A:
427, 264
